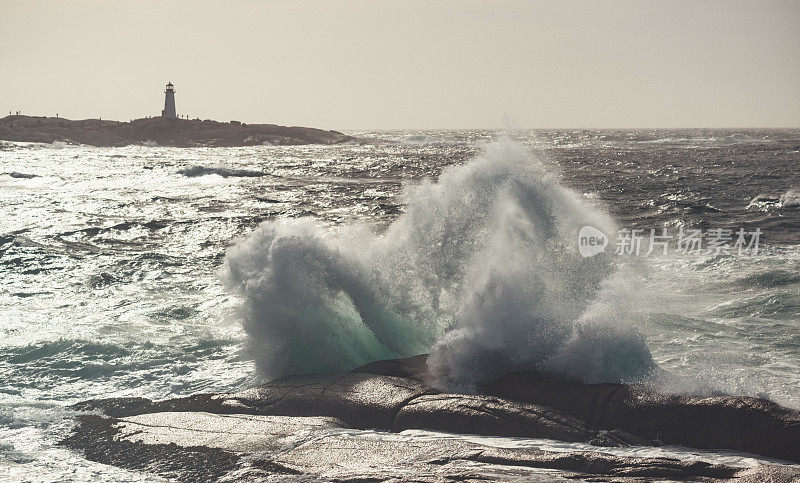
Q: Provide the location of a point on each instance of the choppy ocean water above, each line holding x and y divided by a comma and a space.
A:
111, 259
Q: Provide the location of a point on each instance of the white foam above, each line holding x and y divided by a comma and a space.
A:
482, 270
790, 199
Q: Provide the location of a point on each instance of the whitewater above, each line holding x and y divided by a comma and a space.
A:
161, 272
482, 270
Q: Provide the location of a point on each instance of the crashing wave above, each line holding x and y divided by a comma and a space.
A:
482, 270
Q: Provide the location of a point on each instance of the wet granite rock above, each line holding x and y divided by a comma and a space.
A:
360, 400
722, 422
488, 416
389, 403
415, 368
202, 446
294, 425
97, 438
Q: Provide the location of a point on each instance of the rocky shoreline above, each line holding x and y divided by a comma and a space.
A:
298, 425
160, 131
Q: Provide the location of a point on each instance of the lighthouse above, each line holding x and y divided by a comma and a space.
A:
169, 102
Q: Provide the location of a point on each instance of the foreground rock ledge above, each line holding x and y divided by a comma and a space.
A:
298, 425
193, 446
162, 131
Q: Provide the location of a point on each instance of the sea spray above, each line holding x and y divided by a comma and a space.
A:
790, 199
482, 270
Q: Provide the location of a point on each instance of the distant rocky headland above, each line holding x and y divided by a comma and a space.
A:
160, 131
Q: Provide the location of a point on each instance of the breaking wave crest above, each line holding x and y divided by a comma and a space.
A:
790, 199
198, 170
482, 271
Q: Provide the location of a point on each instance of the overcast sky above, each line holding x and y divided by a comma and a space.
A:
408, 64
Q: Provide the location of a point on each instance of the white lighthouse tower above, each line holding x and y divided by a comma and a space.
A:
169, 102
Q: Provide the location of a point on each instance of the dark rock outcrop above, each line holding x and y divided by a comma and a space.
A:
199, 446
415, 368
393, 396
360, 400
161, 131
490, 416
723, 422
371, 401
192, 446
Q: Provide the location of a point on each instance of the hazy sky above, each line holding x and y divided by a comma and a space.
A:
408, 64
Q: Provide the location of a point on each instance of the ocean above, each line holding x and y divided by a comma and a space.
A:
161, 272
